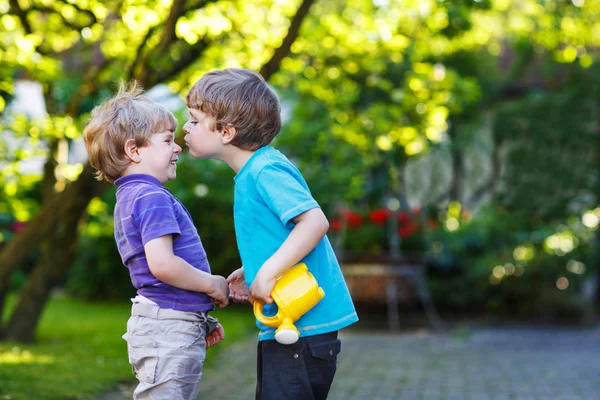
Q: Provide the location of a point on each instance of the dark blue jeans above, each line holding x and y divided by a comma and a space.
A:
300, 371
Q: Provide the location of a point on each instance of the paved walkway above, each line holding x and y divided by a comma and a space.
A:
478, 364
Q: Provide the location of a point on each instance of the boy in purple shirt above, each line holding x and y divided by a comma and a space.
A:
130, 141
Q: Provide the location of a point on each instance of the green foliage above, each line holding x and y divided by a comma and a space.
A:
80, 352
551, 169
500, 264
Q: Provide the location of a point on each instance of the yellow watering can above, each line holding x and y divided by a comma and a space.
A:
295, 292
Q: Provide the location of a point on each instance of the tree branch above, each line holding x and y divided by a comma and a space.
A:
272, 65
140, 59
169, 38
198, 5
190, 55
15, 8
49, 179
89, 13
49, 10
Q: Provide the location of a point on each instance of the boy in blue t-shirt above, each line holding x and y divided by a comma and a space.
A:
234, 115
130, 140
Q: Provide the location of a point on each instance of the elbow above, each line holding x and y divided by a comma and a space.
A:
160, 269
325, 225
322, 224
314, 220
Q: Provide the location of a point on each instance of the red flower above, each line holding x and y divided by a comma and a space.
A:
403, 217
407, 229
379, 216
354, 220
335, 225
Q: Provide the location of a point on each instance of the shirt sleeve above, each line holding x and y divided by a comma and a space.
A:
154, 215
284, 192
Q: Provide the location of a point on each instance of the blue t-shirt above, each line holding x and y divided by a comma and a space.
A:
146, 210
269, 193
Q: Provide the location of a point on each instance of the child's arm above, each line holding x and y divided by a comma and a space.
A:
177, 272
310, 228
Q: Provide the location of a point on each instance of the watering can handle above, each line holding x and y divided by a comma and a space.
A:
272, 322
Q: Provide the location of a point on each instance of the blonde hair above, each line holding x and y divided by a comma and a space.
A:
127, 115
240, 98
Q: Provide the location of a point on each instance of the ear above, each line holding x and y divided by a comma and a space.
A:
228, 134
132, 151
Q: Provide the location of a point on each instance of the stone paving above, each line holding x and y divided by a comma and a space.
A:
475, 364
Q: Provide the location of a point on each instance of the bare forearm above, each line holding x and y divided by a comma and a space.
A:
305, 236
178, 273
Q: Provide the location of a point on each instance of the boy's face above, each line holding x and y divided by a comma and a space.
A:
199, 138
159, 156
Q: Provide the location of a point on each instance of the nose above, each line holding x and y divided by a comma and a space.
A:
177, 149
185, 128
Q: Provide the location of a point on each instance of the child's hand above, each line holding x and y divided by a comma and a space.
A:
215, 336
261, 288
221, 291
238, 290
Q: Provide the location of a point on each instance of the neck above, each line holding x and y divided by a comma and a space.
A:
237, 158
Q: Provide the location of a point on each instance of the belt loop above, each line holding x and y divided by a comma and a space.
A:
155, 311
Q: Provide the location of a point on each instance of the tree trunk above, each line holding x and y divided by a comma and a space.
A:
62, 215
49, 271
44, 224
47, 194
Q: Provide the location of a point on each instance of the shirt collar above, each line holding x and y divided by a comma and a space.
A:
138, 178
246, 166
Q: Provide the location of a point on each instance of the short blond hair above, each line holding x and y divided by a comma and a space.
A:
127, 115
240, 98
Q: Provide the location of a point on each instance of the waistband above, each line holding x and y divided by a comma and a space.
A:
156, 312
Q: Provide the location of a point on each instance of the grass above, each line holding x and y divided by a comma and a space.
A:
80, 352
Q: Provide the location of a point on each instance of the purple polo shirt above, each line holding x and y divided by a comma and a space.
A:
146, 210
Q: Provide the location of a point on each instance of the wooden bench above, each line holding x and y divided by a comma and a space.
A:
391, 281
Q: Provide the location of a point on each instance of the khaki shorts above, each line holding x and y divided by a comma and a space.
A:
166, 350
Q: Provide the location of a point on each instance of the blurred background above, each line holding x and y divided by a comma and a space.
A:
460, 138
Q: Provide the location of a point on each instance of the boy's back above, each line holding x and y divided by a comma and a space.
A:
234, 116
269, 193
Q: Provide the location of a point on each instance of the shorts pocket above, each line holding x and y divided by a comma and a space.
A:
143, 362
326, 351
142, 349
